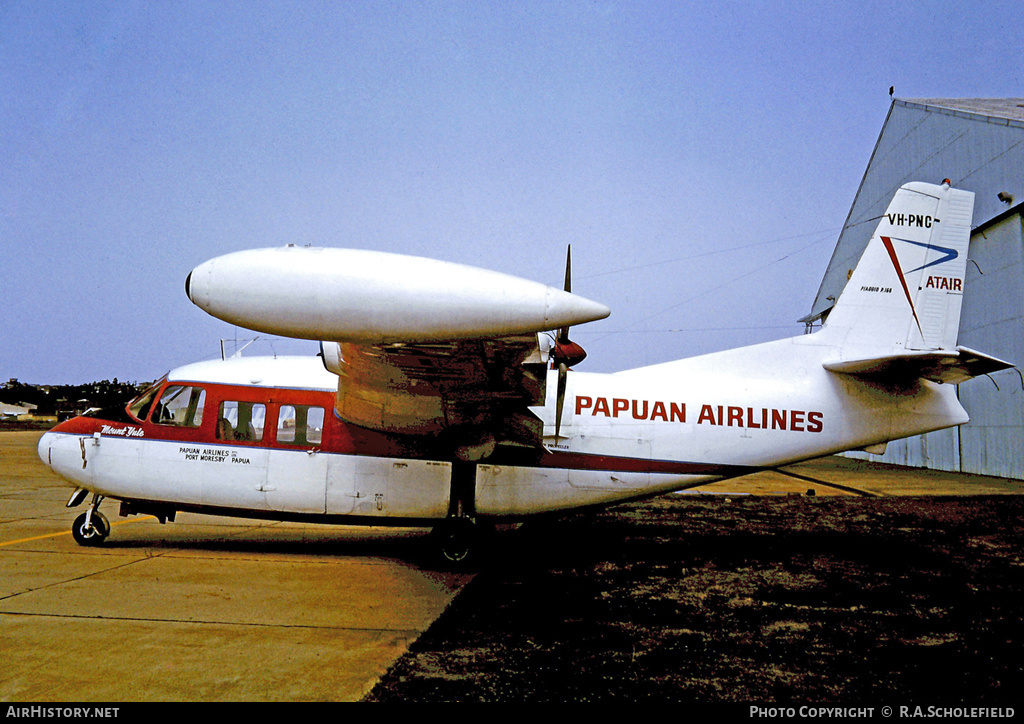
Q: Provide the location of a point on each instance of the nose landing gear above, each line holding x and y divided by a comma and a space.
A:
91, 528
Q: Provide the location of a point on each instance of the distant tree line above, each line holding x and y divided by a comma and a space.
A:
57, 399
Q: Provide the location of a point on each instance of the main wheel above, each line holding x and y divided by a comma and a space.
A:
93, 533
456, 540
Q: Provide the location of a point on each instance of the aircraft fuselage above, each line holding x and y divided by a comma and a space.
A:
258, 437
429, 403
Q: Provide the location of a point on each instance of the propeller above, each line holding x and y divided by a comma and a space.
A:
566, 353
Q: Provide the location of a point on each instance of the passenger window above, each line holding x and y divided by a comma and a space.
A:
300, 425
241, 421
181, 406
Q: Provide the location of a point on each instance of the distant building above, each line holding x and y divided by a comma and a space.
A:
13, 412
978, 144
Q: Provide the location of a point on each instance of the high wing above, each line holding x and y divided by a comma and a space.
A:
422, 347
471, 395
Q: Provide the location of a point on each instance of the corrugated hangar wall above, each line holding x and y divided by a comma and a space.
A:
979, 145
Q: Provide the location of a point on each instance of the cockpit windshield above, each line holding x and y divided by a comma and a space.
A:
131, 413
181, 406
140, 406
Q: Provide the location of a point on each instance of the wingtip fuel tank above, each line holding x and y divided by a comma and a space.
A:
373, 297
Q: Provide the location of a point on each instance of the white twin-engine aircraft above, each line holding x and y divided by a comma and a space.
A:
440, 400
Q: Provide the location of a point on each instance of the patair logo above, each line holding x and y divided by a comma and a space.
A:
946, 282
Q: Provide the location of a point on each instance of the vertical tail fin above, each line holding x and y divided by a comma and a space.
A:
906, 292
899, 315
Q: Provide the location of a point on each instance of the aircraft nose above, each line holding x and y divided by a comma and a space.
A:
44, 448
48, 444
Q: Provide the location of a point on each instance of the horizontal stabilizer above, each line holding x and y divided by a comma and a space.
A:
949, 366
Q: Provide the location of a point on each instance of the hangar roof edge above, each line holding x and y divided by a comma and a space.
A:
1017, 210
1006, 111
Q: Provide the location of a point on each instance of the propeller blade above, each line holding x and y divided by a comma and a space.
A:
560, 397
568, 268
563, 333
563, 352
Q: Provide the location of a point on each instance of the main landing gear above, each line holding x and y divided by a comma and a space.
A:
91, 528
457, 538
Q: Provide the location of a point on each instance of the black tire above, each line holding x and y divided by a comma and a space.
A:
456, 541
94, 534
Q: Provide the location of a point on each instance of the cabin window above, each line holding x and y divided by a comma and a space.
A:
300, 425
181, 406
241, 421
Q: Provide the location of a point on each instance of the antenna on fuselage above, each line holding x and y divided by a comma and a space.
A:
238, 352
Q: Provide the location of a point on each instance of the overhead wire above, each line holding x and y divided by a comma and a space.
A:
662, 262
758, 269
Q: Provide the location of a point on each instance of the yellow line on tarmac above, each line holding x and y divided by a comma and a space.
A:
68, 532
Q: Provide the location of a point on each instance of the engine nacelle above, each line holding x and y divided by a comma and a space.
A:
372, 297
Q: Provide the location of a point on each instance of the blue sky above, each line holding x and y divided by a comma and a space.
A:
699, 157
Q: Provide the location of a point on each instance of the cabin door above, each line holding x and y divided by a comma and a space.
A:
297, 468
297, 481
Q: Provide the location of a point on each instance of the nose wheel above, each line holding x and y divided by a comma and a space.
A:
91, 528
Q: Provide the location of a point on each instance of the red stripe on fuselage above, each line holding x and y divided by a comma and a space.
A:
343, 438
610, 463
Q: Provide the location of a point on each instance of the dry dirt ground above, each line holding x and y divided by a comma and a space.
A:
888, 600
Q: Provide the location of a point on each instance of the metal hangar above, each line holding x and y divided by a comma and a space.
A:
978, 144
